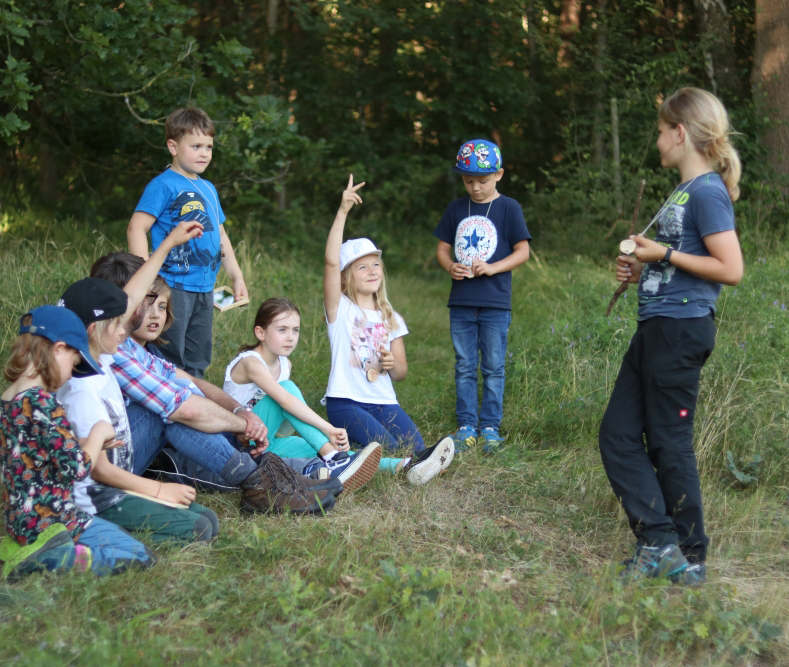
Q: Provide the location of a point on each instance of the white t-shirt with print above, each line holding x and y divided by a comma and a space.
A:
248, 394
87, 401
355, 338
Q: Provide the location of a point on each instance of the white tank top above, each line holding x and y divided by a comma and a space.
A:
248, 394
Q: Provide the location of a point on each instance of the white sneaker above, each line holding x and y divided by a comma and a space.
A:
432, 465
361, 468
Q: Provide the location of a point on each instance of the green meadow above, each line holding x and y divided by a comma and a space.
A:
501, 561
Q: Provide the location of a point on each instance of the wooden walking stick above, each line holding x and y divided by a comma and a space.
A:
627, 246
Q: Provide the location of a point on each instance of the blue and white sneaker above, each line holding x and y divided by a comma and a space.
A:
492, 440
655, 562
464, 438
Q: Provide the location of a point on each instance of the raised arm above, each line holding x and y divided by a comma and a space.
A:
332, 281
140, 283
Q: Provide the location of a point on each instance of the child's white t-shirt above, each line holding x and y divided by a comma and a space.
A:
248, 394
355, 337
87, 401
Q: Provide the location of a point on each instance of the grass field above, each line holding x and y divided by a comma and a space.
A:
502, 561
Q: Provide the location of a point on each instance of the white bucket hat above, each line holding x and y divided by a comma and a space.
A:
353, 249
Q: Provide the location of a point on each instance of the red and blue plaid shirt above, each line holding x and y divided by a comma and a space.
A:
148, 380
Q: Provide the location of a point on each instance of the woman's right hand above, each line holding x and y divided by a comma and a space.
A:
349, 196
339, 438
177, 493
104, 431
628, 269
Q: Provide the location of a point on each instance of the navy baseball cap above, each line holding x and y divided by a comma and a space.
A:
94, 299
60, 325
478, 156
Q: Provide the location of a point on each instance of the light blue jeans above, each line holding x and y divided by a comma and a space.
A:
479, 336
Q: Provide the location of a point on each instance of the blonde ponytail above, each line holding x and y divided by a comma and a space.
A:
707, 126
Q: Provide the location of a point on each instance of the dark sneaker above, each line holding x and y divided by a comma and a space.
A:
491, 440
274, 487
361, 468
693, 575
430, 463
21, 560
654, 562
464, 438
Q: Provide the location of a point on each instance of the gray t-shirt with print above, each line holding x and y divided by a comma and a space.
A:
696, 209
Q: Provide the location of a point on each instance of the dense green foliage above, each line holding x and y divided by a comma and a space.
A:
385, 89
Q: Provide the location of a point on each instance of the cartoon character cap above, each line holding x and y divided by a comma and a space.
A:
61, 325
478, 156
353, 249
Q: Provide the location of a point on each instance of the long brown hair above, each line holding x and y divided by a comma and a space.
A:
268, 311
36, 353
707, 125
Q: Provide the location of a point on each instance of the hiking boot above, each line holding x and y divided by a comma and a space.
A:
360, 468
654, 562
21, 560
430, 463
274, 487
492, 440
464, 438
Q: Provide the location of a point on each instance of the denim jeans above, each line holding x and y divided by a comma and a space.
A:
479, 336
189, 338
113, 551
212, 451
386, 424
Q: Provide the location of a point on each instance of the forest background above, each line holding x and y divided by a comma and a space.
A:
503, 560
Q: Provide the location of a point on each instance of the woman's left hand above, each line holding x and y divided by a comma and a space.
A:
647, 250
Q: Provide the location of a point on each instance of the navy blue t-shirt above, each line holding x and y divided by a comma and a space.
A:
697, 209
488, 232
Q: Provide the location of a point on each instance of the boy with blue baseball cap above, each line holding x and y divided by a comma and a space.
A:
482, 237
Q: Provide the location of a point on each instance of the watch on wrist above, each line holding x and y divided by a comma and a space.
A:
241, 408
666, 258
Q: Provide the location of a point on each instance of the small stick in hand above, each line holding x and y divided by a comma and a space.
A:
623, 286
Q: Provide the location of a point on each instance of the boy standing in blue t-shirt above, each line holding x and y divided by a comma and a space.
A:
190, 270
488, 235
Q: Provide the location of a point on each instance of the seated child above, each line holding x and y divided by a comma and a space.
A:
167, 511
259, 378
41, 459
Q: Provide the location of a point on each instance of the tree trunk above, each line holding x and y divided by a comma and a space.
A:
569, 24
716, 39
598, 127
770, 78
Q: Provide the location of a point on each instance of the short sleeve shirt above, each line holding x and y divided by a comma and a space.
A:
40, 460
88, 401
172, 198
487, 232
696, 209
355, 338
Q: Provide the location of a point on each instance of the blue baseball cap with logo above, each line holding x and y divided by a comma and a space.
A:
478, 156
60, 325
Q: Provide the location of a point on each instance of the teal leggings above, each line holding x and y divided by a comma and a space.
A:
310, 439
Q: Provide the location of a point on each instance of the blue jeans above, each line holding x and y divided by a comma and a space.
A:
112, 549
480, 338
386, 424
212, 451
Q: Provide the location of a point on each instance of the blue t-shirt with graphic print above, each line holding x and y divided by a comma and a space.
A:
696, 209
171, 198
488, 232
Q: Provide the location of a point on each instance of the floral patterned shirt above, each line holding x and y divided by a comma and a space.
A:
40, 460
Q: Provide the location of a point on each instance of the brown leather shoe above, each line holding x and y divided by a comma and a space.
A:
273, 487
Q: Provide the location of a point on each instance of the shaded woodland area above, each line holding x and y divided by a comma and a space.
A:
305, 91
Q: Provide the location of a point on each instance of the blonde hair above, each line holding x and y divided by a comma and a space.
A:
707, 126
380, 299
99, 332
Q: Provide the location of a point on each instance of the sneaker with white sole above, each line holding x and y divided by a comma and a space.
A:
654, 562
431, 462
363, 465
